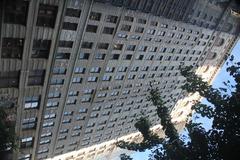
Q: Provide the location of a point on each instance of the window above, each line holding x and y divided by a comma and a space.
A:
119, 77
142, 21
15, 13
83, 110
47, 15
131, 76
142, 48
103, 45
71, 101
87, 45
92, 79
66, 44
84, 56
50, 116
45, 141
73, 12
12, 48
128, 18
163, 25
62, 56
139, 57
121, 35
100, 56
88, 91
80, 70
134, 69
59, 70
117, 46
125, 28
139, 30
122, 69
95, 70
86, 99
115, 56
111, 19
36, 77
41, 48
48, 134
54, 94
77, 80
73, 93
161, 33
154, 23
70, 26
131, 47
108, 30
56, 81
26, 142
135, 37
92, 28
29, 123
48, 124
9, 79
106, 78
66, 121
95, 16
52, 104
109, 69
128, 57
77, 128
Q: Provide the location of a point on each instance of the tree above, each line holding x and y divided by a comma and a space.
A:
8, 139
220, 142
125, 157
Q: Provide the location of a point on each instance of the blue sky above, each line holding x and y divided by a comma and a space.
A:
218, 82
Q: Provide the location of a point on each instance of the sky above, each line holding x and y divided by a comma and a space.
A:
218, 82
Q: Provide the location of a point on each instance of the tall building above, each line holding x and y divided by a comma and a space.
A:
79, 70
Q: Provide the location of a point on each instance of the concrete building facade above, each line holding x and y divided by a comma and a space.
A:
80, 70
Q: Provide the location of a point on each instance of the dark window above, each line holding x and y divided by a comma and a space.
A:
62, 56
66, 44
26, 142
95, 16
128, 57
128, 18
15, 12
100, 56
131, 47
108, 30
126, 28
103, 45
41, 48
111, 19
57, 81
73, 12
84, 56
36, 77
70, 26
91, 28
9, 79
46, 15
142, 21
139, 30
117, 46
115, 56
12, 48
87, 45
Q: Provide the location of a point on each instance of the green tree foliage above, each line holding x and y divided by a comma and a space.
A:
222, 141
125, 157
7, 133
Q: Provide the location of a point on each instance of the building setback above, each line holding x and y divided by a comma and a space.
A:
80, 70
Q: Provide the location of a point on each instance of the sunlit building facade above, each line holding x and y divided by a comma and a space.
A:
79, 70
